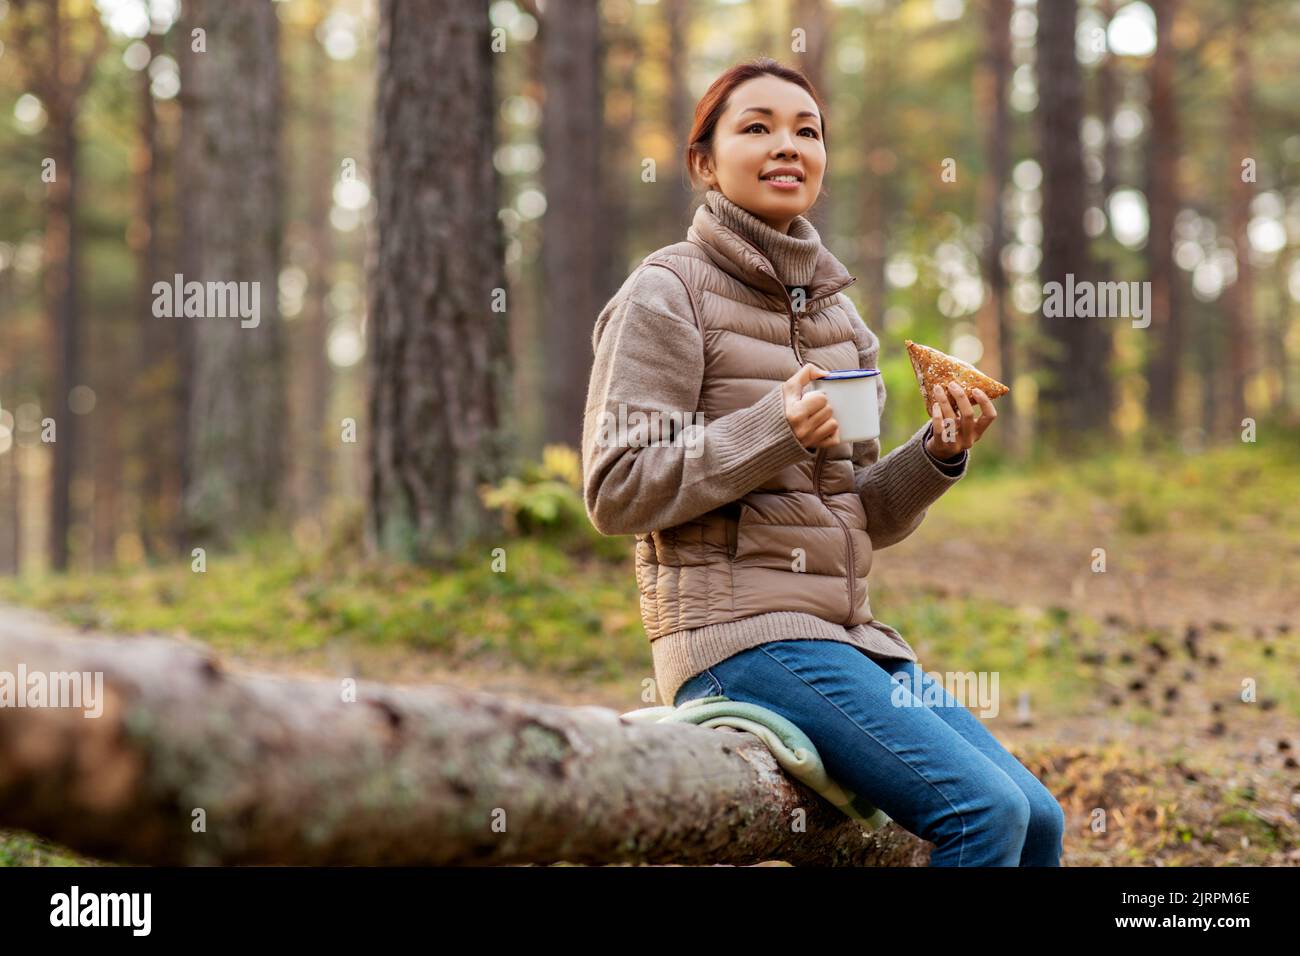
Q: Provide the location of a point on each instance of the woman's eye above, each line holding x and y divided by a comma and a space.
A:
806, 129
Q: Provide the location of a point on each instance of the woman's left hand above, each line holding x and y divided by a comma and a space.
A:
966, 430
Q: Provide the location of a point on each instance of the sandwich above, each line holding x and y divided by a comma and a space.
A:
933, 368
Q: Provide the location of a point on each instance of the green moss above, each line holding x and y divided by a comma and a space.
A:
550, 609
1249, 825
23, 849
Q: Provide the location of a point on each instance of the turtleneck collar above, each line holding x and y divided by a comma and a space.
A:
794, 256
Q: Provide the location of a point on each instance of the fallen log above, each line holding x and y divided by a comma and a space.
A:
191, 761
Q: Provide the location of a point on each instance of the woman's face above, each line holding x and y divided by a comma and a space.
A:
769, 123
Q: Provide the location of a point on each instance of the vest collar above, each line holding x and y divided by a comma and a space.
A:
741, 259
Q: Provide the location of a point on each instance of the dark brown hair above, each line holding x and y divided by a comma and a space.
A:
714, 103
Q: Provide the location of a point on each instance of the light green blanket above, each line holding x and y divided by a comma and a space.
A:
790, 745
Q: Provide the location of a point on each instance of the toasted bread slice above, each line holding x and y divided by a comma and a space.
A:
933, 367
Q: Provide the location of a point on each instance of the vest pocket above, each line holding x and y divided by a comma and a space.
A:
758, 544
744, 520
731, 525
665, 546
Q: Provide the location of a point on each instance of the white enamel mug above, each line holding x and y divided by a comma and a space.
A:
854, 401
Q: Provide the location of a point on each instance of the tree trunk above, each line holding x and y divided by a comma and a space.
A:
1077, 397
61, 269
1108, 95
11, 560
623, 55
1285, 400
237, 410
572, 259
106, 449
1238, 298
318, 434
43, 44
1208, 345
437, 343
189, 254
43, 51
153, 407
192, 763
880, 161
12, 392
994, 321
677, 210
1163, 149
11, 496
814, 18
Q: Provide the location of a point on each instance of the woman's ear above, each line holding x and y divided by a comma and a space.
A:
704, 168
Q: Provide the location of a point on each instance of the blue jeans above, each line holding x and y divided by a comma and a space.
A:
935, 770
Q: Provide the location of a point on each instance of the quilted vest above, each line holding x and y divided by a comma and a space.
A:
799, 541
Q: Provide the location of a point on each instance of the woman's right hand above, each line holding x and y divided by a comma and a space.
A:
809, 415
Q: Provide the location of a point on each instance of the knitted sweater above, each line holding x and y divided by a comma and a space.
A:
636, 360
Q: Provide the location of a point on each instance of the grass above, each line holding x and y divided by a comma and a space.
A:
548, 610
1237, 489
23, 849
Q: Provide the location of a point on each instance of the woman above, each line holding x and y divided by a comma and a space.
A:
754, 524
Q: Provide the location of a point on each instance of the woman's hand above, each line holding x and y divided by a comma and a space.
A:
809, 415
966, 430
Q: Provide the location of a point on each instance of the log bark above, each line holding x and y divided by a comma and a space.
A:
286, 771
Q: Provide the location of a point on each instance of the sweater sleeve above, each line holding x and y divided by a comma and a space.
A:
669, 465
949, 466
897, 490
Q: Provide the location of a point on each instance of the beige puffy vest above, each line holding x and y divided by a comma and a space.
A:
741, 559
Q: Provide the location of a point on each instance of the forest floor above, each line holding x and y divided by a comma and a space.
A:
1122, 688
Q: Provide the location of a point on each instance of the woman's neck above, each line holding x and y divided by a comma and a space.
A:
793, 253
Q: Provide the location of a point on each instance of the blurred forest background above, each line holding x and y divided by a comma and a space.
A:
1155, 143
437, 199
